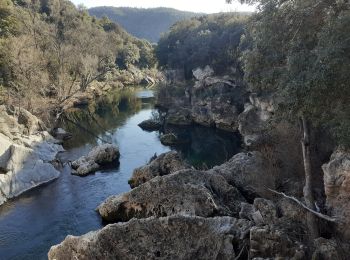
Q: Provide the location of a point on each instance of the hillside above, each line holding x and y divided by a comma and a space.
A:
143, 23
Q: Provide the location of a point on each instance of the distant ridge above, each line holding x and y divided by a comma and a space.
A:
147, 24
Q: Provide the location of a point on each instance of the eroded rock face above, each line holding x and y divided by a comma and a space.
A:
96, 159
249, 172
164, 164
337, 189
212, 101
186, 192
26, 153
177, 237
217, 101
253, 122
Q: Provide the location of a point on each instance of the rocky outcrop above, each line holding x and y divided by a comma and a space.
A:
187, 192
253, 121
27, 153
171, 139
164, 164
150, 125
337, 190
212, 101
176, 237
269, 243
179, 116
249, 172
95, 160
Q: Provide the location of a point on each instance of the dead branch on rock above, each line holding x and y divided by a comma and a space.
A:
318, 214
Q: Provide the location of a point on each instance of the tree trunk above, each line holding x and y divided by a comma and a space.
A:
308, 191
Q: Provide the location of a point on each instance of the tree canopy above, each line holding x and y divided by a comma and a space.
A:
301, 51
48, 47
211, 39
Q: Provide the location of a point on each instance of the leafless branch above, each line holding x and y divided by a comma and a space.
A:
318, 214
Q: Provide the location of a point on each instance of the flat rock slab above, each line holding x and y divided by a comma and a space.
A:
177, 237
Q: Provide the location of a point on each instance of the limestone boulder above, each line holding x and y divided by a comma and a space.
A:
25, 167
176, 237
249, 172
186, 192
96, 159
164, 164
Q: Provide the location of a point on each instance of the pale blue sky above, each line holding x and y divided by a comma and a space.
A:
205, 6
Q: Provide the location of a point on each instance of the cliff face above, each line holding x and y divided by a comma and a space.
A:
211, 101
27, 153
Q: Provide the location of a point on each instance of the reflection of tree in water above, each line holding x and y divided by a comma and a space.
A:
206, 147
101, 118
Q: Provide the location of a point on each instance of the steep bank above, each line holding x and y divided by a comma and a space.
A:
27, 153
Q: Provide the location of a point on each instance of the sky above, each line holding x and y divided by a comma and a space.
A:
202, 6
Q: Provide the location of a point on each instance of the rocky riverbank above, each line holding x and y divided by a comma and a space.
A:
223, 213
27, 153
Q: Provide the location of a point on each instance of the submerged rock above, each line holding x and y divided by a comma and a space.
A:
150, 125
177, 237
186, 192
96, 159
164, 164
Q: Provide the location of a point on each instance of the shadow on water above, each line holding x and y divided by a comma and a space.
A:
40, 218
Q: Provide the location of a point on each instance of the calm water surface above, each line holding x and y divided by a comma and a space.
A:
33, 222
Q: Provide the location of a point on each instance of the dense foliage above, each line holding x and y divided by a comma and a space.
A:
208, 40
146, 24
50, 48
300, 50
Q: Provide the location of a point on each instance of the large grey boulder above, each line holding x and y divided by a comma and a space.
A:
176, 237
250, 172
27, 153
96, 159
186, 192
164, 164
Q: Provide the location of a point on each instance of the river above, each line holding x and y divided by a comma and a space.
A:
40, 218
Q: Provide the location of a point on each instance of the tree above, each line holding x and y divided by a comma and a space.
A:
212, 39
300, 51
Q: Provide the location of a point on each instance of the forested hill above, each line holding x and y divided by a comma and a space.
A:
146, 24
